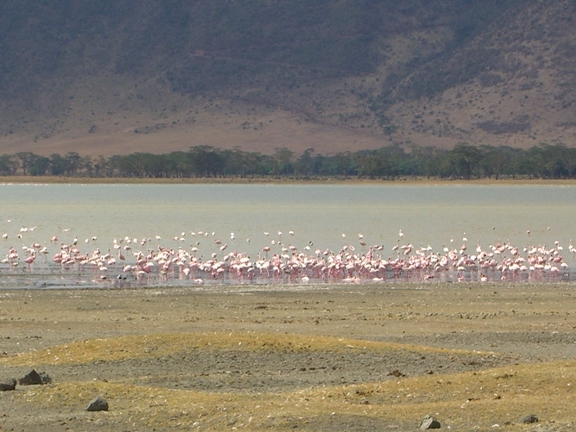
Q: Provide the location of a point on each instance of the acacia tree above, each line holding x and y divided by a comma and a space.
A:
58, 165
283, 164
496, 160
464, 161
371, 166
73, 162
207, 161
568, 161
26, 160
40, 166
8, 165
342, 163
465, 158
422, 159
100, 165
305, 163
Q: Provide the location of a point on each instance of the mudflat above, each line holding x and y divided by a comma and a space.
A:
317, 357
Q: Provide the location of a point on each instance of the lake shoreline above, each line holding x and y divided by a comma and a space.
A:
420, 181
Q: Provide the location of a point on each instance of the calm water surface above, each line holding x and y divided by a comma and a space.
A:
317, 214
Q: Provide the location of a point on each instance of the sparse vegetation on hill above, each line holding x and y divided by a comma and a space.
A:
402, 73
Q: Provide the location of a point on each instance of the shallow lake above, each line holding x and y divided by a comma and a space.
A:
237, 218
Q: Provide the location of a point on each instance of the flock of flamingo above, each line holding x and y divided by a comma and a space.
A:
146, 261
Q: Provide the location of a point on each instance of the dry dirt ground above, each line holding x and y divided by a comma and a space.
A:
339, 357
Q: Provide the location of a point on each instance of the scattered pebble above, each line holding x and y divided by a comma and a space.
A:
528, 418
429, 422
97, 404
31, 378
8, 384
35, 378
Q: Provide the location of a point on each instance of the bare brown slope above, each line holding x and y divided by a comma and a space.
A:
510, 81
217, 123
287, 131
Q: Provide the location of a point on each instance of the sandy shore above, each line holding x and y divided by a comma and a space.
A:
309, 358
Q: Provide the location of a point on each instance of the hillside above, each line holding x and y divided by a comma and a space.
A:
115, 77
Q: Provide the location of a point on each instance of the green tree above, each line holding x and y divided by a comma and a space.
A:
441, 164
496, 160
100, 165
40, 166
110, 169
568, 161
423, 159
73, 163
371, 166
8, 165
283, 161
235, 162
466, 159
178, 165
207, 161
26, 160
58, 165
553, 156
531, 163
87, 165
305, 164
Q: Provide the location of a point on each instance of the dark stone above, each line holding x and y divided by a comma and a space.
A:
8, 384
528, 418
31, 378
46, 379
97, 404
429, 422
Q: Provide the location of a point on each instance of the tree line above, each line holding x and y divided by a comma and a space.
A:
464, 161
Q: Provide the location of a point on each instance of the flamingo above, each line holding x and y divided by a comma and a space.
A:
502, 260
30, 260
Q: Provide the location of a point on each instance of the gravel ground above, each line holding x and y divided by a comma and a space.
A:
510, 324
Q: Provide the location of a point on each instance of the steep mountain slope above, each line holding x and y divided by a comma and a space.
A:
512, 84
113, 77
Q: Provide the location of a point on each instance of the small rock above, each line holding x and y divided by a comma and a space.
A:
429, 422
97, 404
396, 373
46, 379
528, 418
31, 378
8, 384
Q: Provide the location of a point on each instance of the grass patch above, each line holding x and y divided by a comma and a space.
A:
468, 400
464, 401
156, 345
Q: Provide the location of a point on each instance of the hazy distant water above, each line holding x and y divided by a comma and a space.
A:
427, 215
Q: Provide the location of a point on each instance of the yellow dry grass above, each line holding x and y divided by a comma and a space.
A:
127, 347
462, 401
